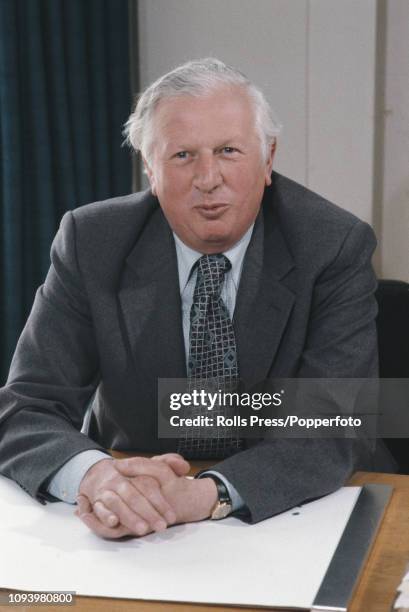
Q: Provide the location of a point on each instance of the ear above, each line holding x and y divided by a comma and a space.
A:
150, 175
269, 162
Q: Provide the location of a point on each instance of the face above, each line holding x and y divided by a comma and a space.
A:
207, 167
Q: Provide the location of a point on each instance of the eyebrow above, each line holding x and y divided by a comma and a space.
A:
182, 147
229, 140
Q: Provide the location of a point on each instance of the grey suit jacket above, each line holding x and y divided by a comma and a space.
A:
108, 318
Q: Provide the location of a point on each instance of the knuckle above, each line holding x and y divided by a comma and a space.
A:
99, 507
109, 483
123, 488
107, 497
125, 464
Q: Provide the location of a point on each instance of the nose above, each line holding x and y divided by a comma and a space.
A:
207, 175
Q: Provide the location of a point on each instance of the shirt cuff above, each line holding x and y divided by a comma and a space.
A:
66, 482
237, 502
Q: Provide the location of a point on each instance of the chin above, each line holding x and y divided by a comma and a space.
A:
216, 242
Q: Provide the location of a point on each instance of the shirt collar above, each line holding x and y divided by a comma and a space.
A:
187, 258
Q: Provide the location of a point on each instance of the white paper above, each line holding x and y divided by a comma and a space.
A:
279, 562
402, 602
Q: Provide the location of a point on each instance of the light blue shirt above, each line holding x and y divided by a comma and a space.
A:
66, 482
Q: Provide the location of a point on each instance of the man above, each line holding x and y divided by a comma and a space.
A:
116, 312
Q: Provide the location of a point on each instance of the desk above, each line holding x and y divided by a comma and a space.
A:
375, 591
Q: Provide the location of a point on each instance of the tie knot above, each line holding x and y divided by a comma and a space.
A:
211, 271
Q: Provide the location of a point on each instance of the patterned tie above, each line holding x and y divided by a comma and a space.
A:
212, 363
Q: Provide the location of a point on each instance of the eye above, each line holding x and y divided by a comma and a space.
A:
229, 150
182, 154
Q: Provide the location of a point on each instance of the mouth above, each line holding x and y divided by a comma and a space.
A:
212, 211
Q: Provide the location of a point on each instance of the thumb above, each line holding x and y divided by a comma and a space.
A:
180, 466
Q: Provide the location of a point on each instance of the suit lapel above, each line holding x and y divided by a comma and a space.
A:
264, 303
150, 302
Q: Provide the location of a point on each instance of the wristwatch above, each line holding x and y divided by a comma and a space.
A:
223, 506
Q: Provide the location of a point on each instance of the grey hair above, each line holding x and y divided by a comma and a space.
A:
196, 78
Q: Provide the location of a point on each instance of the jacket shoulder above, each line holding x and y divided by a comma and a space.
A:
119, 210
312, 226
306, 206
113, 222
106, 231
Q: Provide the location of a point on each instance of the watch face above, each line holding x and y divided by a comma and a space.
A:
221, 511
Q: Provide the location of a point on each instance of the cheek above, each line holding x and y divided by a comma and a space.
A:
248, 189
174, 184
249, 200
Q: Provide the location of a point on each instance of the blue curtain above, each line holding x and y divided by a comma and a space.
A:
64, 95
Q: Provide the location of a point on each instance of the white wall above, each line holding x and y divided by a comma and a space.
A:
316, 61
341, 102
395, 157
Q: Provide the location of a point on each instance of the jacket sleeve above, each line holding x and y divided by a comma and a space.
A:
53, 375
275, 475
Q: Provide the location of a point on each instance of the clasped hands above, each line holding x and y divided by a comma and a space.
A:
139, 495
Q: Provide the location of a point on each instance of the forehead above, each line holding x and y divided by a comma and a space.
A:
225, 110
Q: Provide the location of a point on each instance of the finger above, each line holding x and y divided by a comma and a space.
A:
144, 497
133, 496
106, 516
140, 466
130, 507
91, 521
166, 456
150, 489
84, 505
176, 462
